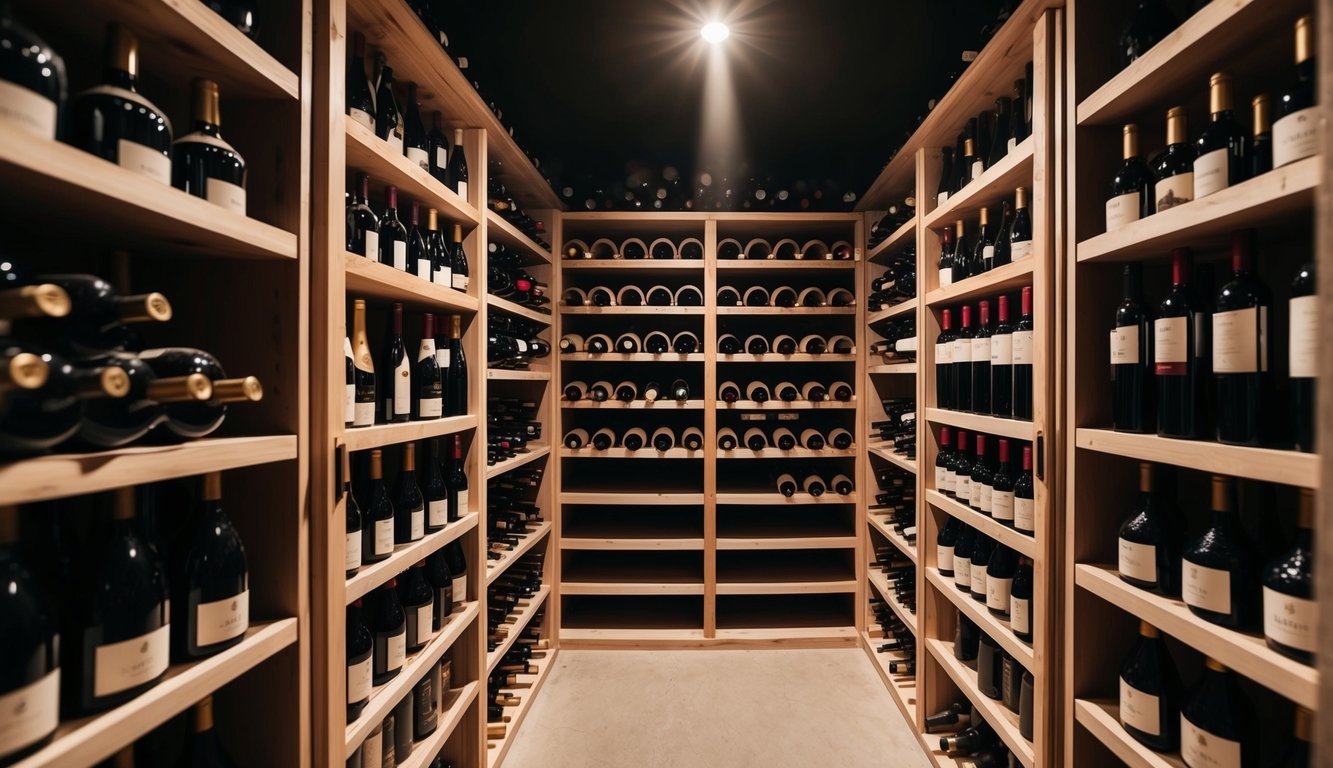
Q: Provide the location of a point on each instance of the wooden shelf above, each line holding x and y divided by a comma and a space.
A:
384, 697
75, 474
815, 572
776, 541
624, 573
504, 305
535, 604
1282, 191
1264, 464
882, 526
632, 541
901, 308
989, 425
907, 369
647, 452
632, 357
1010, 277
1102, 719
494, 568
368, 153
884, 450
795, 405
460, 702
568, 310
534, 451
497, 749
500, 374
996, 184
778, 500
1201, 45
881, 584
795, 453
904, 232
641, 405
642, 497
902, 688
834, 636
367, 278
47, 176
786, 311
799, 357
994, 626
1000, 718
497, 228
641, 265
1019, 542
765, 265
404, 556
1249, 655
380, 435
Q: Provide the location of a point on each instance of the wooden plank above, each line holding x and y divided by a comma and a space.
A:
404, 556
568, 310
799, 357
500, 230
648, 452
1002, 533
367, 278
496, 751
1264, 464
884, 450
795, 453
657, 405
795, 405
900, 235
493, 374
901, 308
509, 307
1010, 277
533, 452
494, 568
996, 184
366, 152
776, 499
898, 369
535, 604
380, 435
990, 425
881, 526
642, 498
1102, 719
633, 357
881, 585
995, 627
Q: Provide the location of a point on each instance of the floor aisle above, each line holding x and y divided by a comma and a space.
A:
714, 709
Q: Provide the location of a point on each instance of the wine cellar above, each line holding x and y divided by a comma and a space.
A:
346, 439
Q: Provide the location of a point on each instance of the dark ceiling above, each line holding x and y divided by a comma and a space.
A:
602, 89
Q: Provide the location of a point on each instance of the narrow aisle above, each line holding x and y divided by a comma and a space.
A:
714, 709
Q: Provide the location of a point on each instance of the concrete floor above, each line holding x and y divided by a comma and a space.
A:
715, 709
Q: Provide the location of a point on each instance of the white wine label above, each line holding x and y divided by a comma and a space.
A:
941, 198
384, 537
1002, 349
222, 620
1240, 341
444, 275
130, 663
963, 488
1296, 136
145, 160
29, 713
1290, 620
395, 651
437, 512
1173, 191
460, 281
358, 681
1140, 710
365, 415
1025, 516
1201, 749
349, 404
1206, 588
418, 520
997, 593
1125, 345
1303, 337
1171, 350
1020, 250
372, 246
962, 351
981, 350
1002, 505
442, 359
460, 588
352, 555
419, 157
946, 276
362, 118
974, 493
224, 194
30, 111
1138, 561
978, 579
402, 389
441, 158
939, 477
1212, 173
462, 189
950, 481
464, 503
1022, 347
431, 407
1020, 615
944, 557
425, 270
962, 572
425, 615
1122, 210
400, 255
944, 353
985, 497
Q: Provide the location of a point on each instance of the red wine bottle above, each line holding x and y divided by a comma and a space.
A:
1220, 152
388, 626
392, 233
1150, 692
944, 371
363, 226
1002, 486
981, 373
34, 77
193, 420
1002, 363
1150, 542
359, 649
409, 505
379, 517
115, 122
1240, 348
1024, 507
395, 372
962, 363
29, 645
1132, 189
1020, 601
203, 163
1291, 615
427, 380
1023, 359
1303, 355
388, 117
1296, 124
360, 99
1174, 169
437, 147
418, 602
1175, 363
1219, 579
1131, 356
458, 502
415, 144
212, 586
458, 172
1217, 722
434, 489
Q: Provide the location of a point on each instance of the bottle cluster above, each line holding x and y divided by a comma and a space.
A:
898, 427
511, 513
399, 389
1006, 242
512, 343
901, 577
509, 600
634, 296
785, 297
731, 249
972, 741
501, 202
785, 344
899, 344
633, 342
984, 367
897, 637
985, 141
897, 284
513, 679
511, 424
731, 393
633, 439
508, 278
626, 392
813, 483
423, 252
895, 498
635, 249
988, 476
893, 219
999, 676
784, 439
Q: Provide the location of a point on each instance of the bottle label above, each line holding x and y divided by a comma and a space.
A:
974, 493
978, 168
425, 270
419, 157
1240, 341
29, 713
460, 281
395, 651
444, 275
441, 158
372, 749
222, 620
1022, 347
1025, 517
442, 358
438, 513
1201, 749
939, 478
1303, 337
464, 503
963, 488
1012, 144
418, 523
365, 414
460, 588
988, 255
462, 189
962, 351
946, 276
1138, 561
1020, 615
944, 353
349, 404
1296, 136
1122, 210
1212, 173
1125, 345
1002, 505
32, 112
1206, 588
401, 402
1140, 710
400, 255
997, 593
120, 666
1020, 250
978, 578
962, 572
145, 160
358, 682
1290, 620
362, 118
950, 481
944, 557
1002, 349
1173, 191
352, 555
431, 407
981, 349
941, 198
985, 497
226, 195
1171, 351
384, 537
425, 615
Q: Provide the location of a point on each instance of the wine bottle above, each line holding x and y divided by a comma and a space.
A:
1024, 508
757, 392
1003, 480
437, 148
428, 394
42, 397
1020, 231
1302, 355
692, 439
945, 385
356, 522
787, 392
1291, 615
442, 581
420, 257
359, 650
663, 439
1220, 152
962, 558
203, 164
1217, 722
458, 569
459, 503
946, 173
98, 320
729, 392
951, 718
814, 485
388, 626
415, 144
460, 274
1218, 579
456, 384
364, 369
1261, 136
32, 80
1132, 189
727, 439
1174, 168
379, 515
395, 370
842, 485
349, 393
30, 677
981, 374
1023, 360
360, 98
111, 422
1174, 356
983, 253
212, 586
960, 260
628, 343
652, 392
1149, 542
962, 363
392, 233
418, 601
982, 548
812, 439
840, 390
117, 632
1000, 579
786, 484
1301, 748
1240, 349
202, 748
458, 173
840, 438
1131, 352
114, 122
1150, 692
363, 226
1151, 22
1020, 601
1296, 124
388, 117
442, 271
409, 505
945, 541
946, 265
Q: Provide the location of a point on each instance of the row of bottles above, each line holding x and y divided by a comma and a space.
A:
895, 218
986, 368
730, 249
635, 249
1009, 241
897, 284
398, 388
901, 576
510, 599
760, 392
813, 483
412, 248
511, 425
999, 676
989, 481
513, 679
512, 512
661, 439
502, 203
895, 499
632, 342
899, 344
784, 439
634, 296
897, 430
785, 297
988, 572
986, 140
513, 343
785, 344
899, 644
508, 278
626, 392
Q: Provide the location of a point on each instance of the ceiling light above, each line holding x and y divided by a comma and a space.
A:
715, 32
